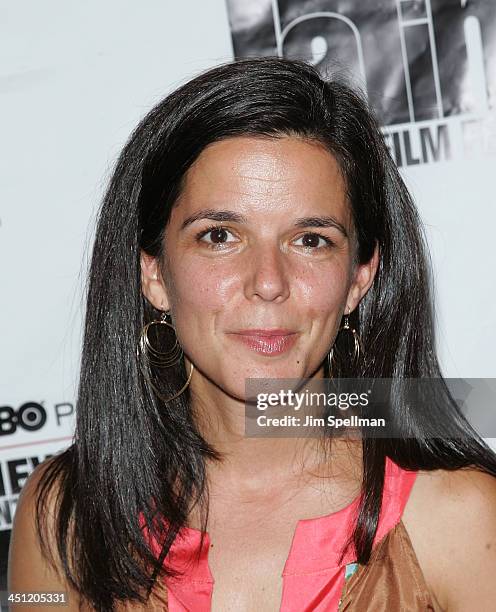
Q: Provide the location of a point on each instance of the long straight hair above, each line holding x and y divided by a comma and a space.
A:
135, 456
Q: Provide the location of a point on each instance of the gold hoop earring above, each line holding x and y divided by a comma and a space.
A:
329, 359
358, 347
356, 338
149, 357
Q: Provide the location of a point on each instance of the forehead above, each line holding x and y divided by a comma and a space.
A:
250, 171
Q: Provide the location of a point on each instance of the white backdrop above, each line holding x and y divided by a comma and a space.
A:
75, 80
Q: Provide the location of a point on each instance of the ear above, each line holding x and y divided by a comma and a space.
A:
152, 284
362, 280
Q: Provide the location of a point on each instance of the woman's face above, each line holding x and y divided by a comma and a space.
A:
261, 238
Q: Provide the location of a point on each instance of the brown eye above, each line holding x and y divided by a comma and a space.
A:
218, 235
311, 240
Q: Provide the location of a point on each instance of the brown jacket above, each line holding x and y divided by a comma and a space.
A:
392, 581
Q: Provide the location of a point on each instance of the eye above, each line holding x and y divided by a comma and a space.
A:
311, 240
218, 235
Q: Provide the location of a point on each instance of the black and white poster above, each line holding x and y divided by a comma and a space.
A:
420, 63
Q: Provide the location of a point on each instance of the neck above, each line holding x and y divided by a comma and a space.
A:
255, 464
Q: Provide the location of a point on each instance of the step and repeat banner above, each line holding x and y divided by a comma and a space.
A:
75, 81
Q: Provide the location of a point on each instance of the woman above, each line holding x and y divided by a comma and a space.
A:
254, 223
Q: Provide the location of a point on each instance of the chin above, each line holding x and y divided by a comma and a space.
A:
267, 373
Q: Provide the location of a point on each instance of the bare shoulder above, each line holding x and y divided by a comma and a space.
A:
451, 520
28, 568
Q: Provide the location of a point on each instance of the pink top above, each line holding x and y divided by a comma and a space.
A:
313, 578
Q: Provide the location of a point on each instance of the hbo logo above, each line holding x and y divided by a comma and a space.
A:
31, 416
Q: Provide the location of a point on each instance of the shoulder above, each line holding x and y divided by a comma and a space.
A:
25, 547
25, 514
452, 524
29, 569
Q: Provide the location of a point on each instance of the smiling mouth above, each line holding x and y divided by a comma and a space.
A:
266, 343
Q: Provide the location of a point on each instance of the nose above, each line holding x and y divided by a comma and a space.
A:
267, 274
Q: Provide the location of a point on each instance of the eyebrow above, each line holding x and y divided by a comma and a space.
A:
229, 215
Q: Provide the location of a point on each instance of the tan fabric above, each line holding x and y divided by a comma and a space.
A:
392, 581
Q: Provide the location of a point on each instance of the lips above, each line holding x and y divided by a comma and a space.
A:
265, 332
266, 341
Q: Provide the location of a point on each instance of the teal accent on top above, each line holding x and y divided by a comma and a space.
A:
350, 569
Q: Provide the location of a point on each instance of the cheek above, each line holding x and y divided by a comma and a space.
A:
200, 287
202, 295
322, 288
